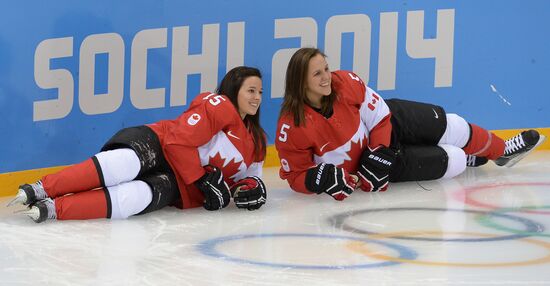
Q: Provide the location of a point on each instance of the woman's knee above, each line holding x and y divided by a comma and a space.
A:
457, 160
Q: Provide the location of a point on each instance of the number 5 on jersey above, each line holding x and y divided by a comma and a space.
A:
214, 99
283, 135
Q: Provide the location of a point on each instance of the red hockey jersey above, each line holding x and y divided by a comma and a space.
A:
210, 132
359, 114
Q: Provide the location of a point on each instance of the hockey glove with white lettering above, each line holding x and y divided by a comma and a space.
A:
374, 169
249, 193
214, 188
327, 178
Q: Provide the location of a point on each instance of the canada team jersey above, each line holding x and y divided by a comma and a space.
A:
358, 114
210, 132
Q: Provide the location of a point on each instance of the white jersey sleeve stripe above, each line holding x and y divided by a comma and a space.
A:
255, 169
373, 109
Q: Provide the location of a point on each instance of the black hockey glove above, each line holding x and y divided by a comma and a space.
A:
249, 193
327, 178
374, 169
214, 189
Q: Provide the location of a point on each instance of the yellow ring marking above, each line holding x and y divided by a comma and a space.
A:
360, 247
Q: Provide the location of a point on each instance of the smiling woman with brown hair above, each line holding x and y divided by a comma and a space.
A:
213, 151
336, 134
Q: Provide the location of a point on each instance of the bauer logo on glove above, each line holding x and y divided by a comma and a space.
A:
374, 169
381, 160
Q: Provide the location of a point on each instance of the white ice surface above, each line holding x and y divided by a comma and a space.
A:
298, 239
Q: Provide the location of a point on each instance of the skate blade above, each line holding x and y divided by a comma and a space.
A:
19, 199
514, 161
32, 212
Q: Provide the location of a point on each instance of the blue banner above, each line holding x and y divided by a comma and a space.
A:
72, 73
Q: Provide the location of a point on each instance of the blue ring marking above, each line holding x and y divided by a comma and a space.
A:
531, 226
208, 247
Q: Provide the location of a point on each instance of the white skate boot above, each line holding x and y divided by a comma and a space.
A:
28, 194
41, 210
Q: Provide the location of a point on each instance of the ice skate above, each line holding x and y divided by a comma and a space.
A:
519, 146
28, 194
475, 161
40, 210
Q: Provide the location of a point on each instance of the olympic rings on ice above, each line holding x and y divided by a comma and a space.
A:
339, 221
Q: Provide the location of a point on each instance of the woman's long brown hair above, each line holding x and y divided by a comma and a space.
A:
230, 86
296, 84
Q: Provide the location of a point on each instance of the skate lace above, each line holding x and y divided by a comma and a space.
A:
39, 190
513, 144
470, 160
51, 208
37, 186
